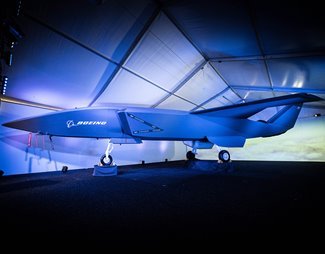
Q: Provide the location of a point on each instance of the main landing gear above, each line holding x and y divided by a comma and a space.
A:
223, 155
190, 155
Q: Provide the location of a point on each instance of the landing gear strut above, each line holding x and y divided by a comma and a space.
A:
107, 159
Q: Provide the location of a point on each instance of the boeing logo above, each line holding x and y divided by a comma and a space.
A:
70, 123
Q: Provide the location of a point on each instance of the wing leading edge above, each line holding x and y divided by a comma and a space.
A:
248, 109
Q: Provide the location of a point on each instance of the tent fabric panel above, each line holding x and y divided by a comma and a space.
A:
164, 55
245, 73
110, 27
51, 70
202, 85
127, 89
174, 102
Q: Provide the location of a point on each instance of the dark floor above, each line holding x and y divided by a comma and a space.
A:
174, 199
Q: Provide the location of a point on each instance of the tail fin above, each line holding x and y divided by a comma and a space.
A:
248, 109
286, 118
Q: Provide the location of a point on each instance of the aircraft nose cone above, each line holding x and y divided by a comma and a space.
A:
9, 124
26, 125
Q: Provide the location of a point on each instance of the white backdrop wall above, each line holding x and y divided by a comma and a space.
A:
304, 142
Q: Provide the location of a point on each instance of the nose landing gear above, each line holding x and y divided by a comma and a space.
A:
107, 159
106, 166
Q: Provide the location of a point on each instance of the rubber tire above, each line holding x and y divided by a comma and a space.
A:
190, 155
102, 160
224, 156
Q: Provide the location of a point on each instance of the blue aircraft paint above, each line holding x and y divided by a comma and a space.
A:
224, 126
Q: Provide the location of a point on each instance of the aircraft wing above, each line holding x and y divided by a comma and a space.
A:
248, 109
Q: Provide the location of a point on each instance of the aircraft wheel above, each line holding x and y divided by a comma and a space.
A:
224, 156
106, 162
190, 155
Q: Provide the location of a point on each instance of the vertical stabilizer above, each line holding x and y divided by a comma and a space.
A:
286, 118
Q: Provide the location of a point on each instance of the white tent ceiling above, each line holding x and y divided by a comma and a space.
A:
184, 55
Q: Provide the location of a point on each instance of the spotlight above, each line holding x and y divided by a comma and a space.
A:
14, 30
317, 115
8, 58
4, 81
18, 8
